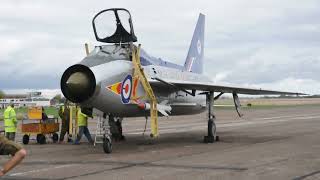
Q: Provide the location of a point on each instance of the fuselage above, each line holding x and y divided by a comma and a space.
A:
110, 65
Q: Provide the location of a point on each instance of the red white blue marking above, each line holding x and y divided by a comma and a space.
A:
126, 88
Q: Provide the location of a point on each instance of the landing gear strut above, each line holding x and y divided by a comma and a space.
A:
116, 128
211, 137
119, 125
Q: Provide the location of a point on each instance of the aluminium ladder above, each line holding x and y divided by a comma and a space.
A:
101, 130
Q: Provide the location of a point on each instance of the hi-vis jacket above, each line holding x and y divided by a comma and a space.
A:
82, 118
10, 120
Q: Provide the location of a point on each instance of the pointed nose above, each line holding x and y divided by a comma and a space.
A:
78, 83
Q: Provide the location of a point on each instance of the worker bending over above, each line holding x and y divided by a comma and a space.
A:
10, 122
15, 150
83, 127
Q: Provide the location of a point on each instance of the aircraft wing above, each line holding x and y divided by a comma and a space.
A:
187, 85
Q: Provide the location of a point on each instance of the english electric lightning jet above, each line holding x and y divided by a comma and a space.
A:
105, 79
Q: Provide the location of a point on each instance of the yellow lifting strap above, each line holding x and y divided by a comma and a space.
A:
138, 71
73, 121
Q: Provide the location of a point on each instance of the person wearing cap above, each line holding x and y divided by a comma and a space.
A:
10, 122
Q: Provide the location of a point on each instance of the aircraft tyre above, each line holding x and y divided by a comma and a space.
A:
107, 146
25, 139
210, 138
213, 127
55, 137
38, 138
41, 139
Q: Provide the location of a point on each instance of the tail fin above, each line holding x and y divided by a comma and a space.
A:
194, 60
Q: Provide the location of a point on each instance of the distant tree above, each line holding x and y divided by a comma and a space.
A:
57, 99
1, 94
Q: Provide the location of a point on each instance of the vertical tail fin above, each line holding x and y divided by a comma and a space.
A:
194, 60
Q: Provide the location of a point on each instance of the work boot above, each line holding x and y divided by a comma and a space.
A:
76, 143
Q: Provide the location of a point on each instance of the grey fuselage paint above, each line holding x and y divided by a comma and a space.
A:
111, 64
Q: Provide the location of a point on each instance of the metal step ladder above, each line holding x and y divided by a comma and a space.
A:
138, 72
102, 130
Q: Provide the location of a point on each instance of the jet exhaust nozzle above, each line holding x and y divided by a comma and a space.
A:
78, 83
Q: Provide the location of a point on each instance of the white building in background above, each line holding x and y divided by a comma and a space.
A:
21, 100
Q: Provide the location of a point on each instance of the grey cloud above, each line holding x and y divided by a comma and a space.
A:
255, 42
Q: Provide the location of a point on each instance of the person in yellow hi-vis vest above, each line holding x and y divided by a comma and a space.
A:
83, 127
10, 122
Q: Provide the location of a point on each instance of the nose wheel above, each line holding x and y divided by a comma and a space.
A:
103, 135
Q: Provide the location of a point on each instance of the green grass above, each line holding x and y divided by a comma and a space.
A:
51, 111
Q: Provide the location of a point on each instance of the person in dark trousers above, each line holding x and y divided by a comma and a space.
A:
44, 115
15, 150
64, 113
83, 127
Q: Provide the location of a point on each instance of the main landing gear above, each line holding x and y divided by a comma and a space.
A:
211, 137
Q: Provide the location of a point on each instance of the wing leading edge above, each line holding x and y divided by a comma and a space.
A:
222, 88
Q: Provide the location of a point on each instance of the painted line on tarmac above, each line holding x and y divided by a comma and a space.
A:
288, 116
225, 122
197, 126
41, 170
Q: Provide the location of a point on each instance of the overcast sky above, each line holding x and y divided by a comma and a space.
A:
273, 44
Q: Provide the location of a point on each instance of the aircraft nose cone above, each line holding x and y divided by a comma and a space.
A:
78, 83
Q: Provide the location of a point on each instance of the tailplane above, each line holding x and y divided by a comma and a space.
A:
194, 60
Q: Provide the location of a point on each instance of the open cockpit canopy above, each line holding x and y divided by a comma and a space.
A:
113, 26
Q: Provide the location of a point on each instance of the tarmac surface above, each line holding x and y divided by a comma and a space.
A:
267, 143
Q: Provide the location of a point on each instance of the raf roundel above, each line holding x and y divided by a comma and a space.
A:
126, 89
199, 46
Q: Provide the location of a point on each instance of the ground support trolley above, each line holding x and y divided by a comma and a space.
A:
36, 125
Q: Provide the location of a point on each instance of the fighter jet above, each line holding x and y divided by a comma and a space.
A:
120, 79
